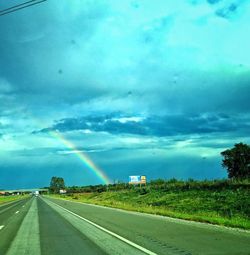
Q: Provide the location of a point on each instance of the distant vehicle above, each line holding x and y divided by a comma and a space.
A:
36, 193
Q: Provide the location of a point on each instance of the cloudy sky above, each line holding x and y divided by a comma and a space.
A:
154, 87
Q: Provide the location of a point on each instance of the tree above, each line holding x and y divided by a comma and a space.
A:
56, 184
237, 161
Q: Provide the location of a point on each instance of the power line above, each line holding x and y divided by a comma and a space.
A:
20, 6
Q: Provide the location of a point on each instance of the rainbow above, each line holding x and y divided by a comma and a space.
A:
82, 156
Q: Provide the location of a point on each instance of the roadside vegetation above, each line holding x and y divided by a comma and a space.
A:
222, 202
5, 199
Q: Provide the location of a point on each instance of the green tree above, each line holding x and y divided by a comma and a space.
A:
56, 184
237, 161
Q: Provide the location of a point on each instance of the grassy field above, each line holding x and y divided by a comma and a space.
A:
221, 204
5, 199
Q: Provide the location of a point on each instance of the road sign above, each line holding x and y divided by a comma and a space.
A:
137, 179
143, 179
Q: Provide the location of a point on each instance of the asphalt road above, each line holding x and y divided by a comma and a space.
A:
50, 226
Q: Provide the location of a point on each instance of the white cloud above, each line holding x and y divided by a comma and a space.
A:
129, 119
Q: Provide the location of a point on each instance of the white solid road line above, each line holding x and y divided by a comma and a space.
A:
1, 227
168, 218
16, 212
109, 232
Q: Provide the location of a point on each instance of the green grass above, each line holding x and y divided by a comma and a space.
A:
5, 199
228, 206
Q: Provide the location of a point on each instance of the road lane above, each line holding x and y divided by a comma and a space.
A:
11, 221
6, 206
27, 239
58, 236
7, 210
163, 235
86, 238
43, 227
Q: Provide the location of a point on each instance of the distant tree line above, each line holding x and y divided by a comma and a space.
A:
56, 184
165, 185
236, 160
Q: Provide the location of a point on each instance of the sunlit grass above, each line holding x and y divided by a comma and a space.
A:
226, 206
6, 199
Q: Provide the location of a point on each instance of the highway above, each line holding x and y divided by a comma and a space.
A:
42, 225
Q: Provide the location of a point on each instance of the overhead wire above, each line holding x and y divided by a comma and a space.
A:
20, 6
15, 6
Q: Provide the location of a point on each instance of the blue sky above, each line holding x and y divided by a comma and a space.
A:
157, 88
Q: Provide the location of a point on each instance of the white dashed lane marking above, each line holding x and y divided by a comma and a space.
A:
1, 227
17, 212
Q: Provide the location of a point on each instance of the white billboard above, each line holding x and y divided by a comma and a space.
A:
137, 179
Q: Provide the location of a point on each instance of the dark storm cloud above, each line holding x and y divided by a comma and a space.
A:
176, 73
57, 68
170, 125
213, 1
32, 53
98, 124
228, 9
